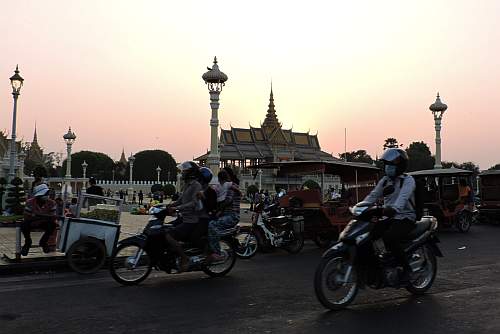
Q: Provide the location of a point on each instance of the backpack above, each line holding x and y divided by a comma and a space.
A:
418, 203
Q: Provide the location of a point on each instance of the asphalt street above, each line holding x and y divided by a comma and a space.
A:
271, 293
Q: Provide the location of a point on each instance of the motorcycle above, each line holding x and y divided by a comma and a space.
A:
356, 260
136, 256
270, 229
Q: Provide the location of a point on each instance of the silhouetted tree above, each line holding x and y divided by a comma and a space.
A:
357, 156
146, 163
100, 165
391, 143
420, 156
496, 167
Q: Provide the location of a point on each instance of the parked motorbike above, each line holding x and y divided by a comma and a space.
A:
270, 230
136, 256
356, 260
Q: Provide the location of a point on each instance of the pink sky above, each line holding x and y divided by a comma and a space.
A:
128, 73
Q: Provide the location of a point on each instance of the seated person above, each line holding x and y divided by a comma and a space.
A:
40, 212
464, 192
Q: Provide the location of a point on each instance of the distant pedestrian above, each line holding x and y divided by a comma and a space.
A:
133, 197
140, 196
94, 189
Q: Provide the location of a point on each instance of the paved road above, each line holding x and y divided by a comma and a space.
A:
271, 293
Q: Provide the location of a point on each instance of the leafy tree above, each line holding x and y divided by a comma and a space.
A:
391, 143
16, 197
40, 171
311, 184
450, 164
169, 190
357, 156
252, 189
146, 163
469, 165
156, 188
100, 165
420, 156
496, 167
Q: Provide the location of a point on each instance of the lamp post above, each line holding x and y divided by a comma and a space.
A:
215, 80
84, 166
69, 138
438, 108
260, 179
131, 160
16, 81
158, 171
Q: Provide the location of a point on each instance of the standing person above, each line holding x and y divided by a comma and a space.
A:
399, 206
94, 189
140, 196
40, 211
133, 197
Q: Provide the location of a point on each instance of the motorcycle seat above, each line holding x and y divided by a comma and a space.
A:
229, 231
278, 220
420, 228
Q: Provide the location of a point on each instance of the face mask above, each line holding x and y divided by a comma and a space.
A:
390, 170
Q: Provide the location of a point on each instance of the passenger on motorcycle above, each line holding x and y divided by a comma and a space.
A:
189, 206
208, 197
228, 214
398, 192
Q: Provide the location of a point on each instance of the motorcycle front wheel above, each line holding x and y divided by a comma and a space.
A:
247, 244
221, 268
335, 288
130, 264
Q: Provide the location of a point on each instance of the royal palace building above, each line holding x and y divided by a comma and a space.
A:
242, 148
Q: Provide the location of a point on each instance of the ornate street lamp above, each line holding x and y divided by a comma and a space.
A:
215, 80
158, 171
438, 108
84, 166
16, 81
131, 160
69, 138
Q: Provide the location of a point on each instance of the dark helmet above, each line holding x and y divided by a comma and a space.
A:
396, 157
189, 170
206, 175
92, 181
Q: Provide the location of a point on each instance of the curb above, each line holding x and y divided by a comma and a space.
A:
34, 266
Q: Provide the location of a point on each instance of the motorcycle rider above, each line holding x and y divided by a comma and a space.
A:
398, 191
188, 205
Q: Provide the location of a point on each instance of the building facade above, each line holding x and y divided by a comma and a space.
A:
244, 147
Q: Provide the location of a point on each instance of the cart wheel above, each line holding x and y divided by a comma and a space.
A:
86, 256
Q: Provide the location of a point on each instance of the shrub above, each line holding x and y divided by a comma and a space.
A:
16, 197
169, 190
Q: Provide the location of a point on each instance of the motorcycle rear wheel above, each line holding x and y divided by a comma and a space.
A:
122, 268
427, 277
221, 269
325, 283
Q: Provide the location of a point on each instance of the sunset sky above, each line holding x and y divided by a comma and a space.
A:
128, 73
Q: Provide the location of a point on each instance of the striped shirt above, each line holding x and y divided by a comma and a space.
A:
235, 197
32, 209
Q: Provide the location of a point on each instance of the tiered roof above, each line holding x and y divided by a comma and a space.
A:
268, 141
